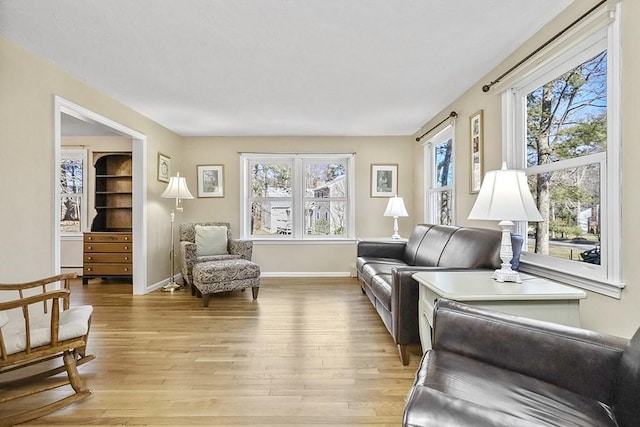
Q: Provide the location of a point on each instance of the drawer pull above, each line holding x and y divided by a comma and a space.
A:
89, 247
126, 269
126, 258
89, 269
89, 238
126, 247
126, 238
89, 258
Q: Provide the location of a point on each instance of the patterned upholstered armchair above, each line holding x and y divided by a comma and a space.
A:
236, 248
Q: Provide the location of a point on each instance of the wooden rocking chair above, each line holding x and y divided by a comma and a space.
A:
44, 332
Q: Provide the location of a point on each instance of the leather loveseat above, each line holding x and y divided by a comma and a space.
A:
492, 369
385, 270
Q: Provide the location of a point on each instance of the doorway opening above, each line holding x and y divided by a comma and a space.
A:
72, 118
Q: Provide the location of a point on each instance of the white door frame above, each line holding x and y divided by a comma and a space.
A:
139, 151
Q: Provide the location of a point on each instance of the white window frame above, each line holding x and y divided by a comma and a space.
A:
297, 162
76, 154
600, 31
431, 208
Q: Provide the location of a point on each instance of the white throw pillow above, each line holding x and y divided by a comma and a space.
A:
211, 240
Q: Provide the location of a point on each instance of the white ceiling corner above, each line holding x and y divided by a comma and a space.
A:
278, 67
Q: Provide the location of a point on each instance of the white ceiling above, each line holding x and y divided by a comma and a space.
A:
278, 67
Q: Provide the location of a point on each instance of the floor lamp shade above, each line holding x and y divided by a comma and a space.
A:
176, 189
395, 208
505, 196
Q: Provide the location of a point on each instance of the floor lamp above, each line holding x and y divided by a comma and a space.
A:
176, 189
505, 196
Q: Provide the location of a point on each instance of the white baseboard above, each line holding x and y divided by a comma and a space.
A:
305, 274
160, 284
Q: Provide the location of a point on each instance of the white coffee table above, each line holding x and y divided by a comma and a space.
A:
535, 297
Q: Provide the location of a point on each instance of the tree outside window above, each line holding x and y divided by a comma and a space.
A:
566, 135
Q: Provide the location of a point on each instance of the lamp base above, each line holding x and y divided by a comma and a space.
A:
506, 275
171, 286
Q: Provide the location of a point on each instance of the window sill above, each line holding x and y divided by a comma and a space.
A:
291, 241
602, 287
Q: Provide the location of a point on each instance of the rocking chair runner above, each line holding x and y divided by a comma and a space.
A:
44, 332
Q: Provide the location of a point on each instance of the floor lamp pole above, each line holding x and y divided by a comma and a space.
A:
172, 285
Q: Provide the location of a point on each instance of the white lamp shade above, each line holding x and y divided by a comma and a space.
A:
505, 195
177, 188
395, 207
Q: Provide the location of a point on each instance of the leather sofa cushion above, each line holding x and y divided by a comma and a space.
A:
364, 260
431, 247
417, 236
488, 395
381, 289
472, 248
372, 269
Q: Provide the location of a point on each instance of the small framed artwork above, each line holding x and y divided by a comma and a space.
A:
477, 148
210, 180
384, 180
164, 167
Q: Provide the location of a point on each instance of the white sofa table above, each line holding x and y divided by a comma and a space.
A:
535, 297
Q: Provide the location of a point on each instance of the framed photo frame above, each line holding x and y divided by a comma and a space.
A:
164, 167
210, 180
476, 141
384, 180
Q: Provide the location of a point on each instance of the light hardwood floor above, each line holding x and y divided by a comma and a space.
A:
307, 352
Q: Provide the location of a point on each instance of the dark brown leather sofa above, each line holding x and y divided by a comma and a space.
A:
493, 369
385, 269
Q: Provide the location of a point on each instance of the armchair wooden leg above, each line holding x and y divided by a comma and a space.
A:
403, 349
255, 291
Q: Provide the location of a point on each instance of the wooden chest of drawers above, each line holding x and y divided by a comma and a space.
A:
107, 254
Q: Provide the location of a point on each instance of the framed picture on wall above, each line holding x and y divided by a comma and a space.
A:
210, 180
477, 148
384, 180
164, 167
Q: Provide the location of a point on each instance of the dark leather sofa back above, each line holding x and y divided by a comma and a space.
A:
626, 408
457, 247
592, 359
472, 248
433, 244
415, 240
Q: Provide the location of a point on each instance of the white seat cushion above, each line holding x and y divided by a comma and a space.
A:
74, 323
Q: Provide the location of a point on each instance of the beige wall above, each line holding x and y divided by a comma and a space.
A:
28, 85
619, 317
297, 258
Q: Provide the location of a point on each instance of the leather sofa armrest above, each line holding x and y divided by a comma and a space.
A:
374, 249
404, 302
579, 360
244, 248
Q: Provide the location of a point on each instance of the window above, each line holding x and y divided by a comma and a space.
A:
73, 214
297, 196
439, 178
563, 130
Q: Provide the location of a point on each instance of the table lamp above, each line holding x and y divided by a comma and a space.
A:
395, 208
505, 196
176, 189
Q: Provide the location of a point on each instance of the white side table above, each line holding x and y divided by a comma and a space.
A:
535, 297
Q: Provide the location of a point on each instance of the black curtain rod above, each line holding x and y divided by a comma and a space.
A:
486, 88
450, 116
